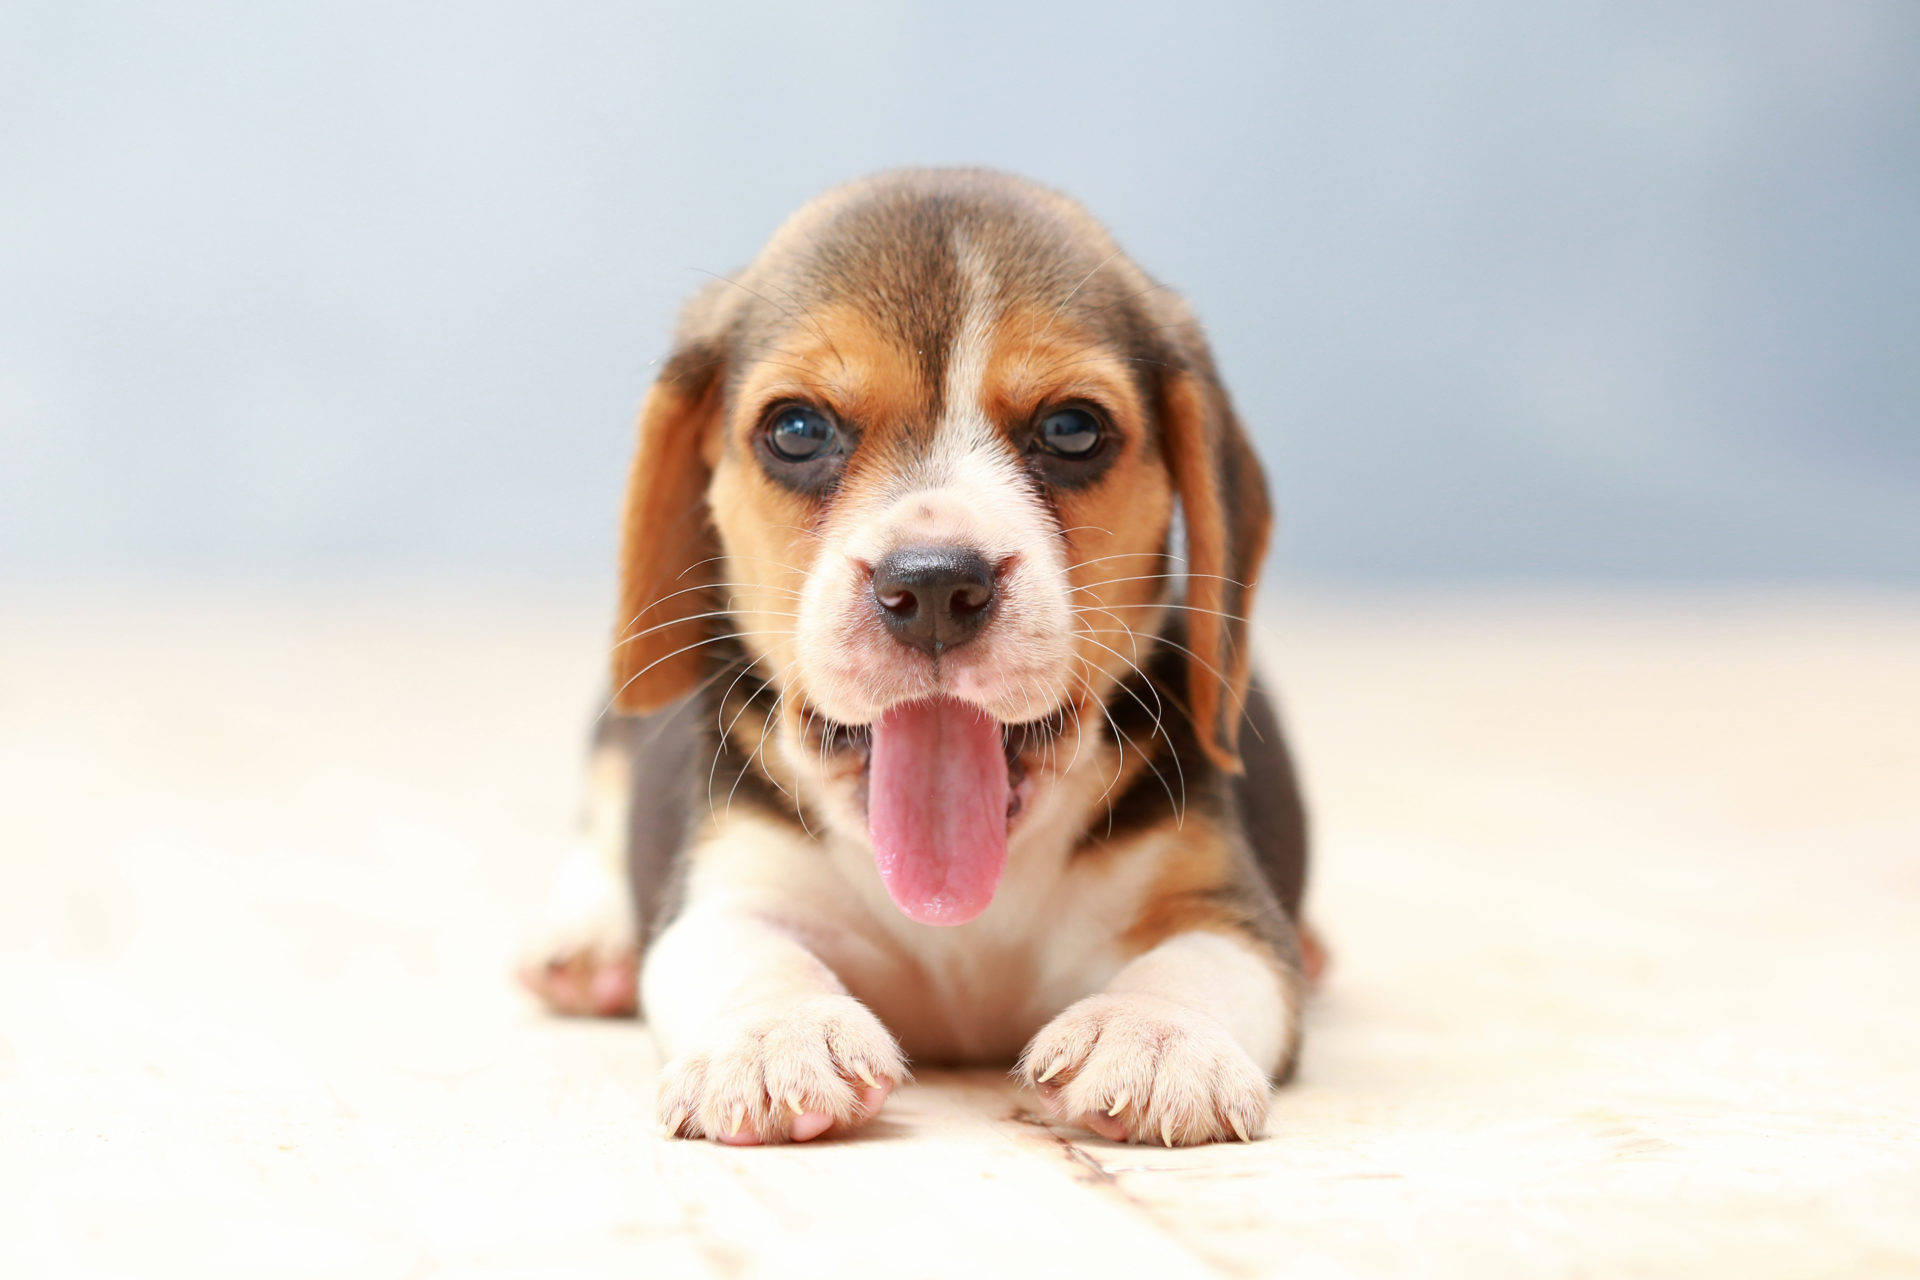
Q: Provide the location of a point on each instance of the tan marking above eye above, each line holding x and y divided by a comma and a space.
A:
1037, 363
838, 358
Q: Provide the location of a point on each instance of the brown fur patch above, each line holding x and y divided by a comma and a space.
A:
664, 534
1224, 500
1196, 888
838, 356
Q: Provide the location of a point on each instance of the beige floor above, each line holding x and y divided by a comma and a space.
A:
1624, 896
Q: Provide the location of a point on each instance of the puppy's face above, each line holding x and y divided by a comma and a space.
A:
949, 527
934, 436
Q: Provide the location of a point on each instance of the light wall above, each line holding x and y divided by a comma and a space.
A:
1508, 290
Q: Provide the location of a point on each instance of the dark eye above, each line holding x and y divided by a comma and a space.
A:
1070, 431
797, 432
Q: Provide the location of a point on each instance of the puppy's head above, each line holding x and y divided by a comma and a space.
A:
921, 461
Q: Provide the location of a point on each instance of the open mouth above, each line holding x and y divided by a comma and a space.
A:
943, 783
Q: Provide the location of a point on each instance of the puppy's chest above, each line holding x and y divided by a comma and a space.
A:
979, 992
975, 1003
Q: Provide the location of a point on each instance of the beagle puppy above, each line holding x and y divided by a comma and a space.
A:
936, 737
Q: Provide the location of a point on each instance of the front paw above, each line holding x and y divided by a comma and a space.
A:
786, 1071
584, 958
1136, 1068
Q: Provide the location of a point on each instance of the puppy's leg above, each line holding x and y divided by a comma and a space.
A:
1180, 1046
764, 1043
583, 956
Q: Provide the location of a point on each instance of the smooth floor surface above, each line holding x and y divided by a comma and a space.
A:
1623, 895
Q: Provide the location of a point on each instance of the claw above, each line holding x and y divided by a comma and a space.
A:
793, 1101
675, 1123
1239, 1128
1119, 1105
739, 1119
1166, 1130
1051, 1071
860, 1069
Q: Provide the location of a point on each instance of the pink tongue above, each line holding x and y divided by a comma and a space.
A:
937, 809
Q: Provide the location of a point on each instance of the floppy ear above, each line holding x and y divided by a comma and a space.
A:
1223, 499
666, 536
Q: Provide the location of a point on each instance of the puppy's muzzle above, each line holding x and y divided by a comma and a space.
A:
934, 596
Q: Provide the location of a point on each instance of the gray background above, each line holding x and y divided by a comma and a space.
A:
1509, 290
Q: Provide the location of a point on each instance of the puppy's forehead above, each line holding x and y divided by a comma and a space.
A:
931, 263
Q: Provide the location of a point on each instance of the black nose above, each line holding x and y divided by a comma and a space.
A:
934, 597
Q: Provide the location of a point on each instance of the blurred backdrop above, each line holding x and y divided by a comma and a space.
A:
1509, 291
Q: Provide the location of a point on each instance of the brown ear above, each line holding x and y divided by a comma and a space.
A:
1223, 499
666, 535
